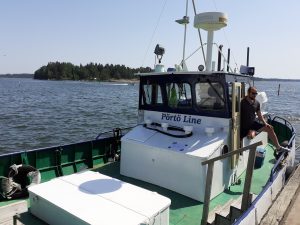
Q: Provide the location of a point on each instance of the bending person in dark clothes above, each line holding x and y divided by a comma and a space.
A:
250, 107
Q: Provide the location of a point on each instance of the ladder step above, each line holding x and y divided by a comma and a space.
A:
227, 213
235, 213
221, 210
221, 220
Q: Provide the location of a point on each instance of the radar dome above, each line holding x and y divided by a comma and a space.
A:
210, 21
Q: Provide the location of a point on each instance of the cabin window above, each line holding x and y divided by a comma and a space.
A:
151, 94
179, 95
210, 96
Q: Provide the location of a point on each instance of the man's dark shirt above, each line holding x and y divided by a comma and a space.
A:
248, 115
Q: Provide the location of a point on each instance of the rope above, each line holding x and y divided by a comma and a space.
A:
170, 128
151, 39
227, 40
201, 47
195, 51
199, 33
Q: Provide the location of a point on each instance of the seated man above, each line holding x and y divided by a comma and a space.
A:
250, 107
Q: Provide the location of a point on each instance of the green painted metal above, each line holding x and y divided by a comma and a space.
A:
63, 160
183, 210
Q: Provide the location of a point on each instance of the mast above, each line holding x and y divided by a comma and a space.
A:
185, 26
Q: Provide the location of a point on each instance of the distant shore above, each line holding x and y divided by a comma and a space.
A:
25, 75
275, 79
19, 75
31, 76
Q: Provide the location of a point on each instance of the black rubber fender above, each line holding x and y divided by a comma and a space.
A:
20, 176
288, 172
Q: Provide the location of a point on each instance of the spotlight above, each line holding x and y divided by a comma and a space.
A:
159, 51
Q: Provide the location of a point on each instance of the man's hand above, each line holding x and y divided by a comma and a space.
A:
251, 134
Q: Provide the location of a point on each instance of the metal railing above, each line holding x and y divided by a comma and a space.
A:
246, 201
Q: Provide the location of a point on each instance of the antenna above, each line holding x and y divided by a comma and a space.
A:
210, 21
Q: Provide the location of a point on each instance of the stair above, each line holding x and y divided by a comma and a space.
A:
235, 213
228, 213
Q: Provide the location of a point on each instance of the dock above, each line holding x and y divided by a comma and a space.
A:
292, 215
285, 209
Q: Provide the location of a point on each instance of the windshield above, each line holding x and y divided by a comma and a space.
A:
177, 94
152, 94
209, 96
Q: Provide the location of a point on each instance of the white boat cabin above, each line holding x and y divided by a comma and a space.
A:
186, 118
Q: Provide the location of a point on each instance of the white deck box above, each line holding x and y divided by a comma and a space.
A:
93, 198
175, 163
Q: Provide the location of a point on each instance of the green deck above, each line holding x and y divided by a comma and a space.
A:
183, 210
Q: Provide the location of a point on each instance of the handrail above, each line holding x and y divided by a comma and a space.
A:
280, 159
250, 166
232, 153
285, 122
290, 126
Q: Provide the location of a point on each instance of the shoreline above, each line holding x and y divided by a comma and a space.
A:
30, 76
128, 81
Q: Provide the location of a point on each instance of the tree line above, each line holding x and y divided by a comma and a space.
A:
91, 71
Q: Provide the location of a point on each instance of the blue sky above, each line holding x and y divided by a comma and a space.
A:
35, 32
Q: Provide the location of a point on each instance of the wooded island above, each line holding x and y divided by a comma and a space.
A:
91, 71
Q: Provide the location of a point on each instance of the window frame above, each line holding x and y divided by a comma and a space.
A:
192, 79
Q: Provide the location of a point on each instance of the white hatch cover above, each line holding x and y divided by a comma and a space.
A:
92, 198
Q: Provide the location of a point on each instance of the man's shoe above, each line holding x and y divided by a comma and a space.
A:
282, 149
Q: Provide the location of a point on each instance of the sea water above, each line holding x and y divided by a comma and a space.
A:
36, 114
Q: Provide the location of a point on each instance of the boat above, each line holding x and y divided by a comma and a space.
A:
183, 163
